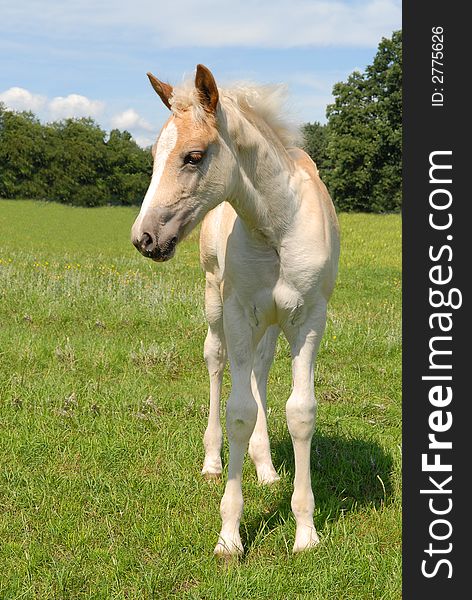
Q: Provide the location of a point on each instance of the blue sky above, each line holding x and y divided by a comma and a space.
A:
89, 57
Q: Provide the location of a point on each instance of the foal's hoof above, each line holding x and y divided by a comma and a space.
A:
215, 477
267, 475
227, 557
212, 469
228, 550
306, 541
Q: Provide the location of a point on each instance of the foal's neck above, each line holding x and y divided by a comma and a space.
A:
264, 197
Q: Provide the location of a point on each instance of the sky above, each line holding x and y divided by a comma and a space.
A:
79, 58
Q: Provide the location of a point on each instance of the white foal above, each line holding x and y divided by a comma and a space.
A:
269, 246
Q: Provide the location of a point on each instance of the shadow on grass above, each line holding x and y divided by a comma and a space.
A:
346, 475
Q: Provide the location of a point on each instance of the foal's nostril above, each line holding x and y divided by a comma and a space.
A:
147, 242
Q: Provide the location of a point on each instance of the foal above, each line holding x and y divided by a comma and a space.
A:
269, 246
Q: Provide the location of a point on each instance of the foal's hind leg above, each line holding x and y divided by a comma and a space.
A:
301, 411
215, 358
259, 446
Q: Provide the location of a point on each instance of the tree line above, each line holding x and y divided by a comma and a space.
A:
72, 161
358, 151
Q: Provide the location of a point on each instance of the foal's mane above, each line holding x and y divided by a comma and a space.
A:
266, 102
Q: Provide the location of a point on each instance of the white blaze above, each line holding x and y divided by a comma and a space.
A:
165, 145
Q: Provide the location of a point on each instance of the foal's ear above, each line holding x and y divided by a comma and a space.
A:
206, 85
163, 90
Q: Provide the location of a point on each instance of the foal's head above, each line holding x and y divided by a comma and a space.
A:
192, 169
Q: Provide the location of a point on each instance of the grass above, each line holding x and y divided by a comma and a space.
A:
103, 404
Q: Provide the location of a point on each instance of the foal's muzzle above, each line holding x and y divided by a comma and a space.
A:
156, 233
152, 246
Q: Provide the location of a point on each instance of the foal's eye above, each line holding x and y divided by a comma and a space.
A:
193, 158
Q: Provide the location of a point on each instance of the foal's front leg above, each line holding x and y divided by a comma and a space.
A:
215, 358
241, 415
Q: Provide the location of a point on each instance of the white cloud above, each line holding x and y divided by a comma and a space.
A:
144, 140
282, 24
129, 119
74, 105
17, 98
142, 131
266, 23
71, 106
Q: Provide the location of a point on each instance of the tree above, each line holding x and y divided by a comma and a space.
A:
315, 143
22, 155
363, 165
130, 168
79, 164
71, 161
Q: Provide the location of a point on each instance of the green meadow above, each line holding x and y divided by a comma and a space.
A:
103, 405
